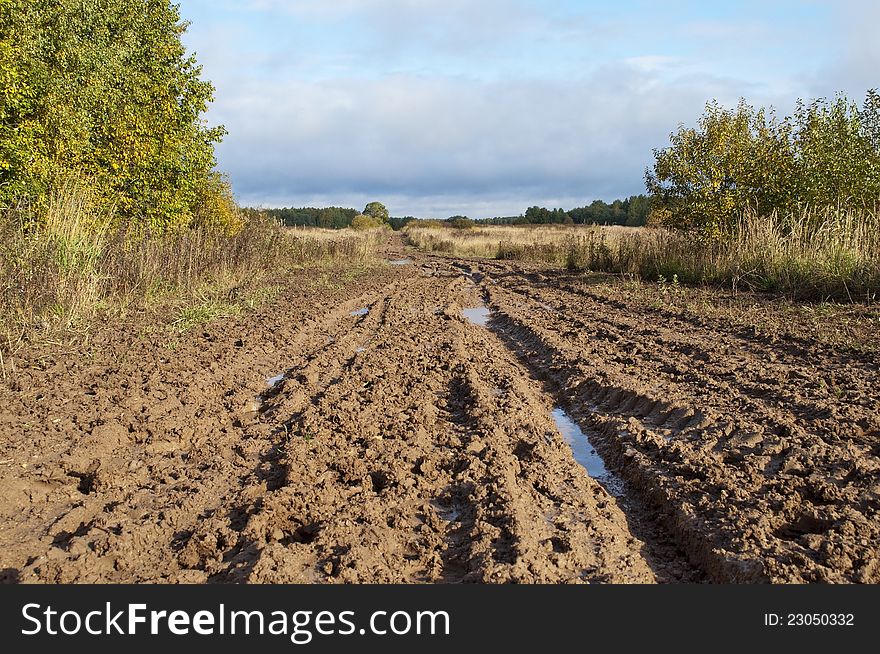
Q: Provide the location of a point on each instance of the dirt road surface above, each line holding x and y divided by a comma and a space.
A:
397, 441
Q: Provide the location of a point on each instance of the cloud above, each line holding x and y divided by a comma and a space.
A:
486, 108
854, 66
517, 142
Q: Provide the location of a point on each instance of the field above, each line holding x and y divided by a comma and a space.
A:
814, 255
358, 427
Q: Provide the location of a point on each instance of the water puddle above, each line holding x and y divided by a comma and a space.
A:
447, 513
360, 312
585, 453
400, 262
477, 315
272, 381
360, 349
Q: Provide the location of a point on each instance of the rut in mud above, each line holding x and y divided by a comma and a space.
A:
397, 441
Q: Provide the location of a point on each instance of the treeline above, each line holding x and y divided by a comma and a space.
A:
326, 217
632, 211
335, 217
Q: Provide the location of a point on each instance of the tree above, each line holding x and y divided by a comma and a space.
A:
826, 155
378, 211
639, 208
104, 90
538, 215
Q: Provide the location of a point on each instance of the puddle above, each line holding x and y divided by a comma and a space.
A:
360, 349
271, 381
400, 262
477, 315
449, 514
586, 454
360, 312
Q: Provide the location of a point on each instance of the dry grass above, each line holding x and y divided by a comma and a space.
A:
827, 255
58, 271
314, 244
848, 326
540, 243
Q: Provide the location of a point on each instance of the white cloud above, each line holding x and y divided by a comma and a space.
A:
488, 107
499, 145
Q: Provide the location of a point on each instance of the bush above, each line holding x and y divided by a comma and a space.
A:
826, 155
361, 221
461, 222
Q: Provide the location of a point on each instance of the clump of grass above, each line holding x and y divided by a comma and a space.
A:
199, 314
828, 255
312, 244
261, 296
544, 243
50, 261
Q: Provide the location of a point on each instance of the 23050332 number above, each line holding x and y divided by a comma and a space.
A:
820, 620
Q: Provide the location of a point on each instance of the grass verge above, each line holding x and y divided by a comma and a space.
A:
817, 255
61, 270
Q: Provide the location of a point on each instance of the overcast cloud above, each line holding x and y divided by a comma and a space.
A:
486, 108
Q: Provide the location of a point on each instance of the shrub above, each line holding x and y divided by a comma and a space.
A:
826, 155
361, 221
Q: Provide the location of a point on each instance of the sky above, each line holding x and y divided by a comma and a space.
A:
486, 107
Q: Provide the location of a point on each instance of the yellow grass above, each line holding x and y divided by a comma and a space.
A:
818, 254
60, 266
545, 243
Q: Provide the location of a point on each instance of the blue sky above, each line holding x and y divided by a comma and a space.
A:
487, 107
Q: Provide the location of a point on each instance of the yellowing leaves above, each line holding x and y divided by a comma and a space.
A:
103, 89
827, 154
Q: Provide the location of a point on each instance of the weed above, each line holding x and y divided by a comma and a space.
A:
76, 261
191, 316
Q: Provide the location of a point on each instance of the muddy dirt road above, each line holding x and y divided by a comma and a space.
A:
400, 442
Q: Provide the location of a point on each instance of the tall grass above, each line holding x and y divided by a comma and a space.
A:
828, 254
60, 265
545, 243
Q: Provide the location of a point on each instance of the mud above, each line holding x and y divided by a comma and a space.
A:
406, 444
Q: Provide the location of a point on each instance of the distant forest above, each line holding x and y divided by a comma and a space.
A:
632, 211
328, 217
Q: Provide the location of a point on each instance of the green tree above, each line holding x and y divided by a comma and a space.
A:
826, 155
378, 211
104, 90
838, 156
639, 208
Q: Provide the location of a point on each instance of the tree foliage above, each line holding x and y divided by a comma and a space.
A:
326, 217
826, 155
362, 221
632, 211
105, 90
377, 211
